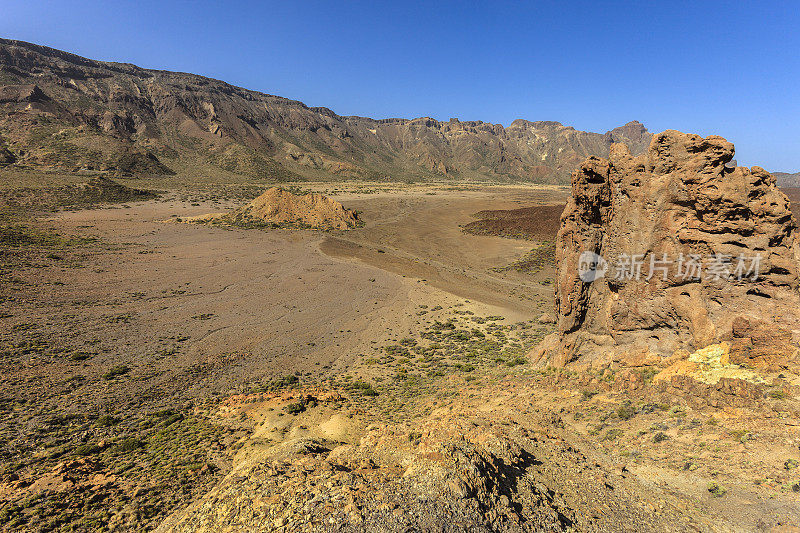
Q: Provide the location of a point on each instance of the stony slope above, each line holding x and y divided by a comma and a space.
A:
59, 110
459, 469
98, 190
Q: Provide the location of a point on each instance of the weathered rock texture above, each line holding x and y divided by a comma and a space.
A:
280, 206
680, 198
446, 475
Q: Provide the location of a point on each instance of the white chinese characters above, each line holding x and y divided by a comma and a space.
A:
714, 267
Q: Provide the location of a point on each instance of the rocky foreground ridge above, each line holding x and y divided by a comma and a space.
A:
675, 249
62, 111
456, 470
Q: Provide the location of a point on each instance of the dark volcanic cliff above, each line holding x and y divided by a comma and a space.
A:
59, 110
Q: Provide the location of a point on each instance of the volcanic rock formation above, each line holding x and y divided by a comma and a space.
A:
685, 245
280, 206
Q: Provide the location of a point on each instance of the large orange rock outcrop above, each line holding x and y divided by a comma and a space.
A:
689, 243
280, 206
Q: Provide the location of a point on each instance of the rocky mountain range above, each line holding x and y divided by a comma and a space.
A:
64, 112
786, 179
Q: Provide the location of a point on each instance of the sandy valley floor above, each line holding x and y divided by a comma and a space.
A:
294, 300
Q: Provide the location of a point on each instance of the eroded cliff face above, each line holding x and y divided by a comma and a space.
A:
664, 251
62, 111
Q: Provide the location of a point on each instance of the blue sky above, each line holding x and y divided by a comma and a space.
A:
726, 68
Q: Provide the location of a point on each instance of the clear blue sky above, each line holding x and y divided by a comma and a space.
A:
727, 68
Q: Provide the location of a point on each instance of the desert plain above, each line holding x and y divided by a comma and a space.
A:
180, 377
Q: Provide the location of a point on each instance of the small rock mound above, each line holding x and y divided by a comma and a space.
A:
280, 206
132, 161
679, 230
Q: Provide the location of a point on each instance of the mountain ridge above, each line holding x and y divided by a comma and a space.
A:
787, 179
62, 111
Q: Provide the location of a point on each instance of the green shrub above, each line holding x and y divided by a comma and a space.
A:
717, 490
128, 445
626, 411
119, 370
364, 388
87, 449
660, 437
739, 434
647, 374
295, 408
107, 421
172, 419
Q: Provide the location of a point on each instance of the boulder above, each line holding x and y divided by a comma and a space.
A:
663, 251
761, 345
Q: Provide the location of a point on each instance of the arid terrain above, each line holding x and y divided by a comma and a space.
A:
224, 310
146, 363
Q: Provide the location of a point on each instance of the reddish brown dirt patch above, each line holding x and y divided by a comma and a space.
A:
538, 223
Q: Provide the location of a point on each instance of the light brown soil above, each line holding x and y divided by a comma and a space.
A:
214, 316
419, 235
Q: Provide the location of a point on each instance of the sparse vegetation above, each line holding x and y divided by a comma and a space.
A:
626, 411
295, 408
660, 437
717, 490
116, 371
